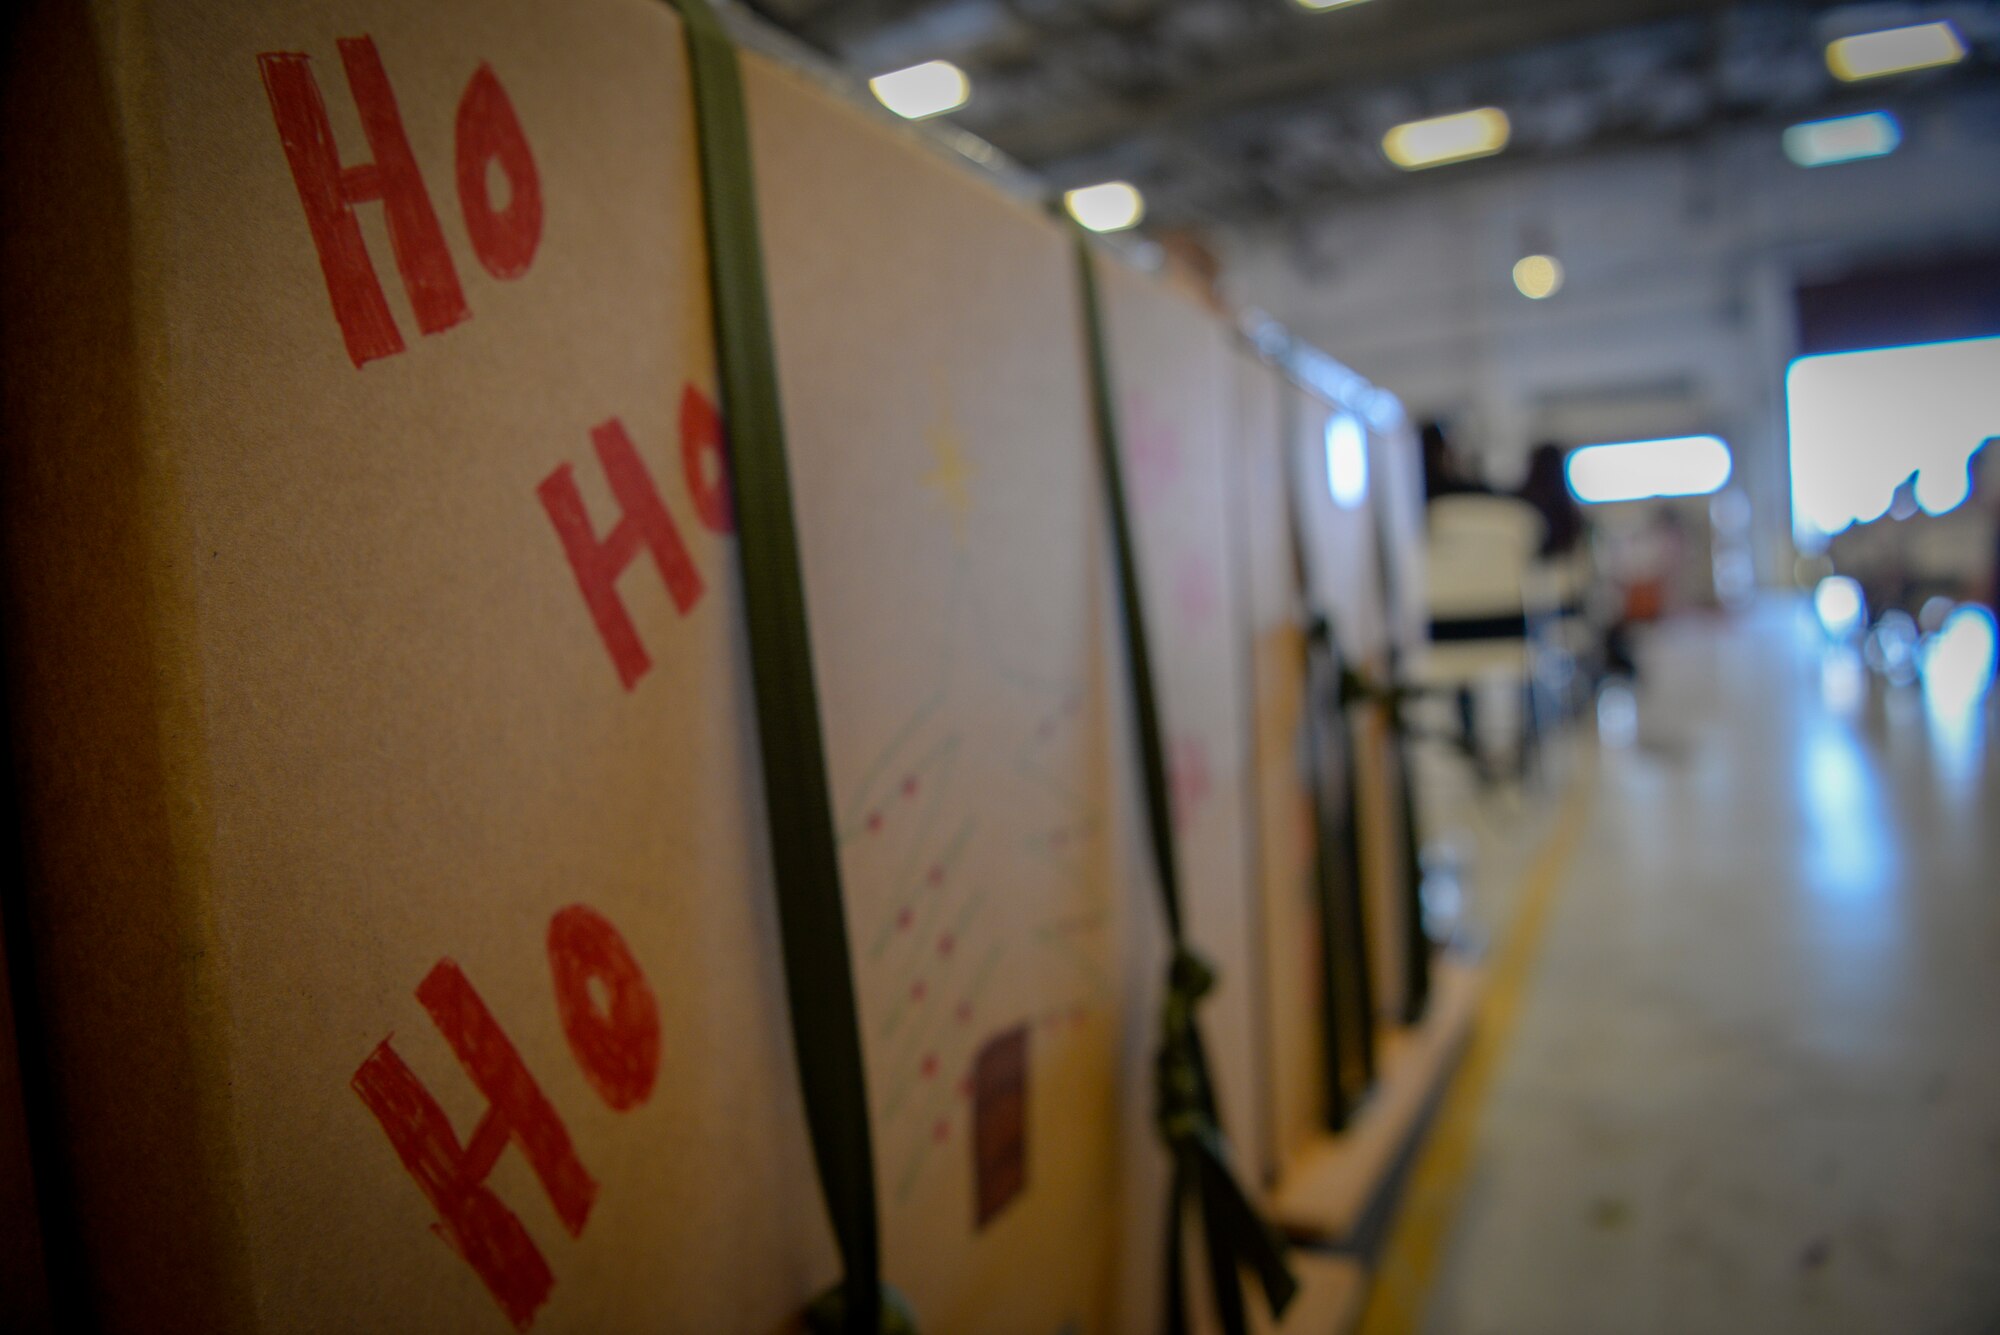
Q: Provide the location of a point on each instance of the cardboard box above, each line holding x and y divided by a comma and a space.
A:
396, 873
318, 771
929, 344
1286, 899
1173, 374
386, 749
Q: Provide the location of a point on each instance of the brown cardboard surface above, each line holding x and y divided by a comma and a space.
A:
1332, 1290
1286, 903
387, 730
341, 756
410, 742
371, 729
1347, 564
929, 345
1382, 856
103, 911
1172, 371
1342, 544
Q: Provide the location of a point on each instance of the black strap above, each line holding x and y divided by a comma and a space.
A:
1234, 1234
819, 980
1346, 993
1417, 944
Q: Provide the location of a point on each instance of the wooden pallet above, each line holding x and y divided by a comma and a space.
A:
1340, 1195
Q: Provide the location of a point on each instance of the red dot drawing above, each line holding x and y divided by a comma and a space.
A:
904, 917
941, 1132
910, 785
918, 991
964, 1012
1197, 594
874, 822
1154, 452
947, 943
1190, 778
930, 1065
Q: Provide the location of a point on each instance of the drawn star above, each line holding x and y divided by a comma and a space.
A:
950, 475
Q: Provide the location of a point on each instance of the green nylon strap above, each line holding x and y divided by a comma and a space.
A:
1234, 1235
1416, 937
819, 980
1392, 696
1416, 940
1346, 994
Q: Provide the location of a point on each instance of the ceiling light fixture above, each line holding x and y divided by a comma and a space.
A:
929, 89
1538, 277
1872, 134
1111, 206
1870, 55
1441, 139
1321, 6
1642, 469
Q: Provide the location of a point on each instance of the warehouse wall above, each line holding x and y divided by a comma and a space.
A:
1676, 314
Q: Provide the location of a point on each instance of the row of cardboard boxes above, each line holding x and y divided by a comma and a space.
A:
392, 935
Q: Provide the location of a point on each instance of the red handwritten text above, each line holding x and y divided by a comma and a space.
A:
619, 1050
487, 131
643, 524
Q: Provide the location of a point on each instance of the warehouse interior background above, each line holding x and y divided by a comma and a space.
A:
1645, 154
1740, 1076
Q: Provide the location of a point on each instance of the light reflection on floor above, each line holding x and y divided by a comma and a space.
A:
1755, 1086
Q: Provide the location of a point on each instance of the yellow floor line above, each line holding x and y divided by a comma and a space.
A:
1430, 1205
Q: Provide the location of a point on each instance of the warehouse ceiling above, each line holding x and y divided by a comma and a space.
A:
1231, 110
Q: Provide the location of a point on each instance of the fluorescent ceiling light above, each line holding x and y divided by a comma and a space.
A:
1870, 55
1872, 134
1111, 206
929, 89
1442, 139
1537, 277
1643, 469
1327, 4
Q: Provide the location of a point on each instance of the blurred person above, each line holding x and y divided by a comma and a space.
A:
1547, 489
1445, 471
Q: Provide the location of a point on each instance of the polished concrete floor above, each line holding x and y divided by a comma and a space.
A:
1755, 1080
